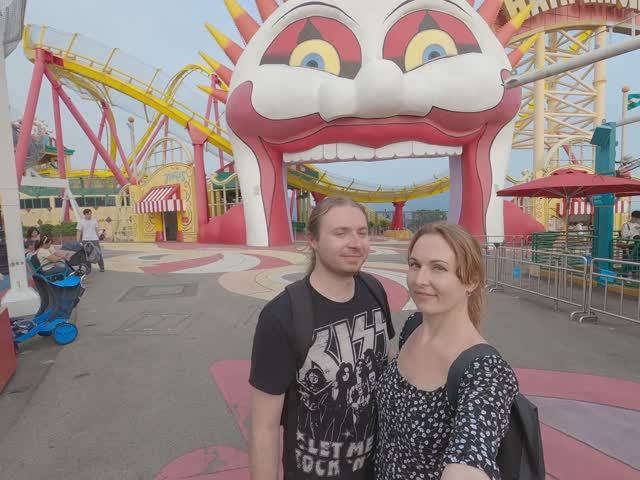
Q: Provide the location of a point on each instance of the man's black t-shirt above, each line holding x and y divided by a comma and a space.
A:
332, 434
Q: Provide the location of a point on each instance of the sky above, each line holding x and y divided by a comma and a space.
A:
168, 34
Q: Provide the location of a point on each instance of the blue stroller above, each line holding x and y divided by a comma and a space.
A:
58, 298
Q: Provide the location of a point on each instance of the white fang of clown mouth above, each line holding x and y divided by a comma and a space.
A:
335, 152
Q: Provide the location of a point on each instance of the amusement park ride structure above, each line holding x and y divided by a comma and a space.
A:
557, 116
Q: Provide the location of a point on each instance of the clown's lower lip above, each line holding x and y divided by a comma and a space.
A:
335, 152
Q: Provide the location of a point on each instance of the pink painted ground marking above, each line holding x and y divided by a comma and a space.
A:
396, 293
182, 264
566, 458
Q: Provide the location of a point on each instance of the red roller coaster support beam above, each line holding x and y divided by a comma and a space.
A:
29, 115
62, 166
152, 138
116, 137
398, 216
198, 140
92, 171
213, 101
86, 128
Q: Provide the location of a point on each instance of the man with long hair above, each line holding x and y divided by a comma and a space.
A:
348, 316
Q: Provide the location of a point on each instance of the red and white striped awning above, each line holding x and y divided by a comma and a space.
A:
161, 199
582, 206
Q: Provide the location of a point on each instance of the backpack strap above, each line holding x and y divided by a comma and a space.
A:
413, 321
461, 364
377, 290
301, 318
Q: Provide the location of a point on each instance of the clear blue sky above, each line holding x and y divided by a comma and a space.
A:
168, 34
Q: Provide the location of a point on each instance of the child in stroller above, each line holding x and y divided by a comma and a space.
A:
82, 257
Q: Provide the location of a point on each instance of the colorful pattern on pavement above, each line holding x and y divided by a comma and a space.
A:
574, 449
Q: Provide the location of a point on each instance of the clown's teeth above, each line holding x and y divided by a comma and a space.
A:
317, 153
347, 151
395, 150
330, 151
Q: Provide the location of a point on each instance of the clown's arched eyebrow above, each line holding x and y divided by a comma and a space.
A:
317, 3
411, 1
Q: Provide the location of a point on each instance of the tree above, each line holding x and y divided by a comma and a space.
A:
421, 217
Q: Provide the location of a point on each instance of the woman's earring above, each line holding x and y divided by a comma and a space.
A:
469, 294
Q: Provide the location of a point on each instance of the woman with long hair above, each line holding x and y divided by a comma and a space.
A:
421, 435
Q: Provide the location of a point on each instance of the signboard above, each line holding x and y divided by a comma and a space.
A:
541, 6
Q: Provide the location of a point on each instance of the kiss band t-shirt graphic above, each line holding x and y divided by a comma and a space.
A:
330, 419
336, 415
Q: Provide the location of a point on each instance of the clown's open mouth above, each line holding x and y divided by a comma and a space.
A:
334, 152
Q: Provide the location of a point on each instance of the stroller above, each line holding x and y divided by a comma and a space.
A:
58, 299
85, 254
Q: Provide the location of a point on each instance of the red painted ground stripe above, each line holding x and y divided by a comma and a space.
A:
182, 264
396, 293
267, 262
579, 386
569, 459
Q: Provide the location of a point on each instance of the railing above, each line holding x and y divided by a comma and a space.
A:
612, 292
601, 286
559, 277
576, 243
626, 249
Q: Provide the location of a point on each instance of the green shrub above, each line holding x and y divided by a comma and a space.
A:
384, 222
65, 229
46, 229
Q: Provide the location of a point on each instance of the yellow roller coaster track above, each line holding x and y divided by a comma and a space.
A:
96, 78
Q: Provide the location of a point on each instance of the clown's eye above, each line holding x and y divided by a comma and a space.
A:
425, 36
427, 46
317, 43
316, 54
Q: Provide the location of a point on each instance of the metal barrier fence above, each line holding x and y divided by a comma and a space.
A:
560, 277
611, 292
599, 286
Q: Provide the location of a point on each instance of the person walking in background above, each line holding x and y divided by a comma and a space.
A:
88, 233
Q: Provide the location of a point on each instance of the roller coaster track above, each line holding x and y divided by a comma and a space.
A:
100, 76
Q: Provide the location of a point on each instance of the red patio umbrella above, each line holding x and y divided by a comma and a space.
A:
567, 183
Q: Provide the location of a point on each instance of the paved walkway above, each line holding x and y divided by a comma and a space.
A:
155, 385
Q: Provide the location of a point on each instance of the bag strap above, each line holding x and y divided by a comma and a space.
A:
301, 318
460, 366
413, 321
377, 290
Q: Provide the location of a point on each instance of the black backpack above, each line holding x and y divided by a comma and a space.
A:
520, 456
302, 321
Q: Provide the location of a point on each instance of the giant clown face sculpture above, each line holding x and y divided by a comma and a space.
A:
367, 80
